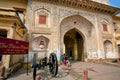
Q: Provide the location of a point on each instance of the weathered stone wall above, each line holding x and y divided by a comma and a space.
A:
9, 4
7, 21
62, 19
116, 24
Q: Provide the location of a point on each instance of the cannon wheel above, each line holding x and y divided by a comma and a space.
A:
53, 64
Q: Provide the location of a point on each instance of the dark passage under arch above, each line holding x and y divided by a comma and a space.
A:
74, 45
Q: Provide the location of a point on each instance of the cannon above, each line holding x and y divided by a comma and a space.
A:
51, 62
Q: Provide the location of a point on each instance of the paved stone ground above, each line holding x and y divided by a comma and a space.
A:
95, 72
44, 74
99, 71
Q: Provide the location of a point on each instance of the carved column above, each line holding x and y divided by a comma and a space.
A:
75, 50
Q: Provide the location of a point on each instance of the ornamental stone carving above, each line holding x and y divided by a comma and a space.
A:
40, 43
84, 27
67, 12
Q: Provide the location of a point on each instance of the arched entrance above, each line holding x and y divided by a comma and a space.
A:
73, 42
76, 37
3, 33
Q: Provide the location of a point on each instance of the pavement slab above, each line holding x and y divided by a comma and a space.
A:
95, 72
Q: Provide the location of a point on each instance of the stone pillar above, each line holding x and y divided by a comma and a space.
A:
75, 50
2, 73
6, 61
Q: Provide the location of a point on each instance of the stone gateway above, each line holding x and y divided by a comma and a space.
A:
81, 29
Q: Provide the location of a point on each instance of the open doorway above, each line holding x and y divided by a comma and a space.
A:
74, 45
3, 33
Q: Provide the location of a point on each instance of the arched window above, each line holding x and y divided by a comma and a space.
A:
105, 27
42, 18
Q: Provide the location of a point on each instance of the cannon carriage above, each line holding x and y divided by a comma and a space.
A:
42, 56
50, 61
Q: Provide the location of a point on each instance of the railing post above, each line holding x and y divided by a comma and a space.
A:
37, 78
85, 74
118, 60
2, 73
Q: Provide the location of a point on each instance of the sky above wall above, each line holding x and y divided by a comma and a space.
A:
115, 3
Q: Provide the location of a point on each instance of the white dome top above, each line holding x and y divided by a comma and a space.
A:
102, 1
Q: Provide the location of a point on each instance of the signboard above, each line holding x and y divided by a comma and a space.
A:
10, 46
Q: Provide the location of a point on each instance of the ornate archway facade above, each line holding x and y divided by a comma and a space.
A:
56, 21
83, 28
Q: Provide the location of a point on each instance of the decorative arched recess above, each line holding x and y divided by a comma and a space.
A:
45, 15
105, 27
3, 33
84, 28
108, 49
40, 43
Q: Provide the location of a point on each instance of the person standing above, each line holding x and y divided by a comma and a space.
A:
67, 64
62, 58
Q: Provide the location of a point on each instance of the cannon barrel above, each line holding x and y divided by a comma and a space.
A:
52, 63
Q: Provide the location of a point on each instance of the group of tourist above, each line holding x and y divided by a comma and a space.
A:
64, 61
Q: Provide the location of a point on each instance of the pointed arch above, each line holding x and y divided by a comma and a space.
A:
40, 43
42, 17
74, 45
76, 18
108, 48
78, 22
83, 27
105, 26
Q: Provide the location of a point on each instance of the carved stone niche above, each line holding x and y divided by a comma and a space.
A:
40, 43
42, 18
